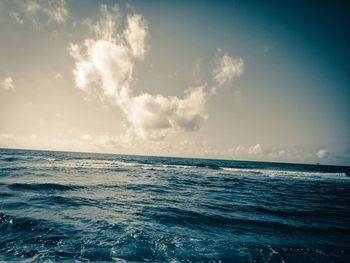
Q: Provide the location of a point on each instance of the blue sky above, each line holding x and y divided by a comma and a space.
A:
219, 79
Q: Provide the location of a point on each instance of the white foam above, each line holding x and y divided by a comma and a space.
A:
88, 163
282, 173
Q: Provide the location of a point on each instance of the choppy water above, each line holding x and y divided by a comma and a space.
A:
58, 206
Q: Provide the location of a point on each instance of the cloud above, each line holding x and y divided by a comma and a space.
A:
256, 149
153, 116
54, 10
104, 68
38, 12
273, 153
246, 151
322, 154
129, 143
136, 34
227, 68
7, 84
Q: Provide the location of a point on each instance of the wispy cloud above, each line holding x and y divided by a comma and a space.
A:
8, 84
38, 12
54, 10
227, 68
105, 65
136, 34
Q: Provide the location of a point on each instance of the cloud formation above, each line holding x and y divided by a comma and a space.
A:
53, 11
256, 149
7, 84
322, 153
104, 68
227, 68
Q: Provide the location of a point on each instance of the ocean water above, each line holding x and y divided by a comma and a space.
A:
80, 207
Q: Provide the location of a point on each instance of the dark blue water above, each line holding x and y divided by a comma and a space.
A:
58, 206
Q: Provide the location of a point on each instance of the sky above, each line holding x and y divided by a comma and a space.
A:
243, 80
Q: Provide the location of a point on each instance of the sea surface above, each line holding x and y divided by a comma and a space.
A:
81, 207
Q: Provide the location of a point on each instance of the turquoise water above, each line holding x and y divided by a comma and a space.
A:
64, 207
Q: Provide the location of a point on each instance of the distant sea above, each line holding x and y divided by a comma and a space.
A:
83, 207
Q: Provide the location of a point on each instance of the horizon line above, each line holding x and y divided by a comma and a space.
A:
183, 157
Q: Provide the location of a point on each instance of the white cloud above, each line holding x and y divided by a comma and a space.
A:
273, 153
8, 84
104, 68
256, 149
136, 34
153, 116
105, 28
38, 12
54, 10
322, 153
227, 68
246, 151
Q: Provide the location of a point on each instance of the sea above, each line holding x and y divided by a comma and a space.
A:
86, 207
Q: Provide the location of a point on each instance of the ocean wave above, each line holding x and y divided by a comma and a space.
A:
63, 201
24, 158
161, 165
43, 186
10, 159
114, 165
284, 173
6, 195
93, 164
10, 223
68, 207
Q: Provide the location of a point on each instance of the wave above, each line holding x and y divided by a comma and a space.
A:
5, 195
24, 158
284, 173
92, 164
208, 166
64, 201
78, 207
246, 225
44, 187
9, 223
164, 164
11, 159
